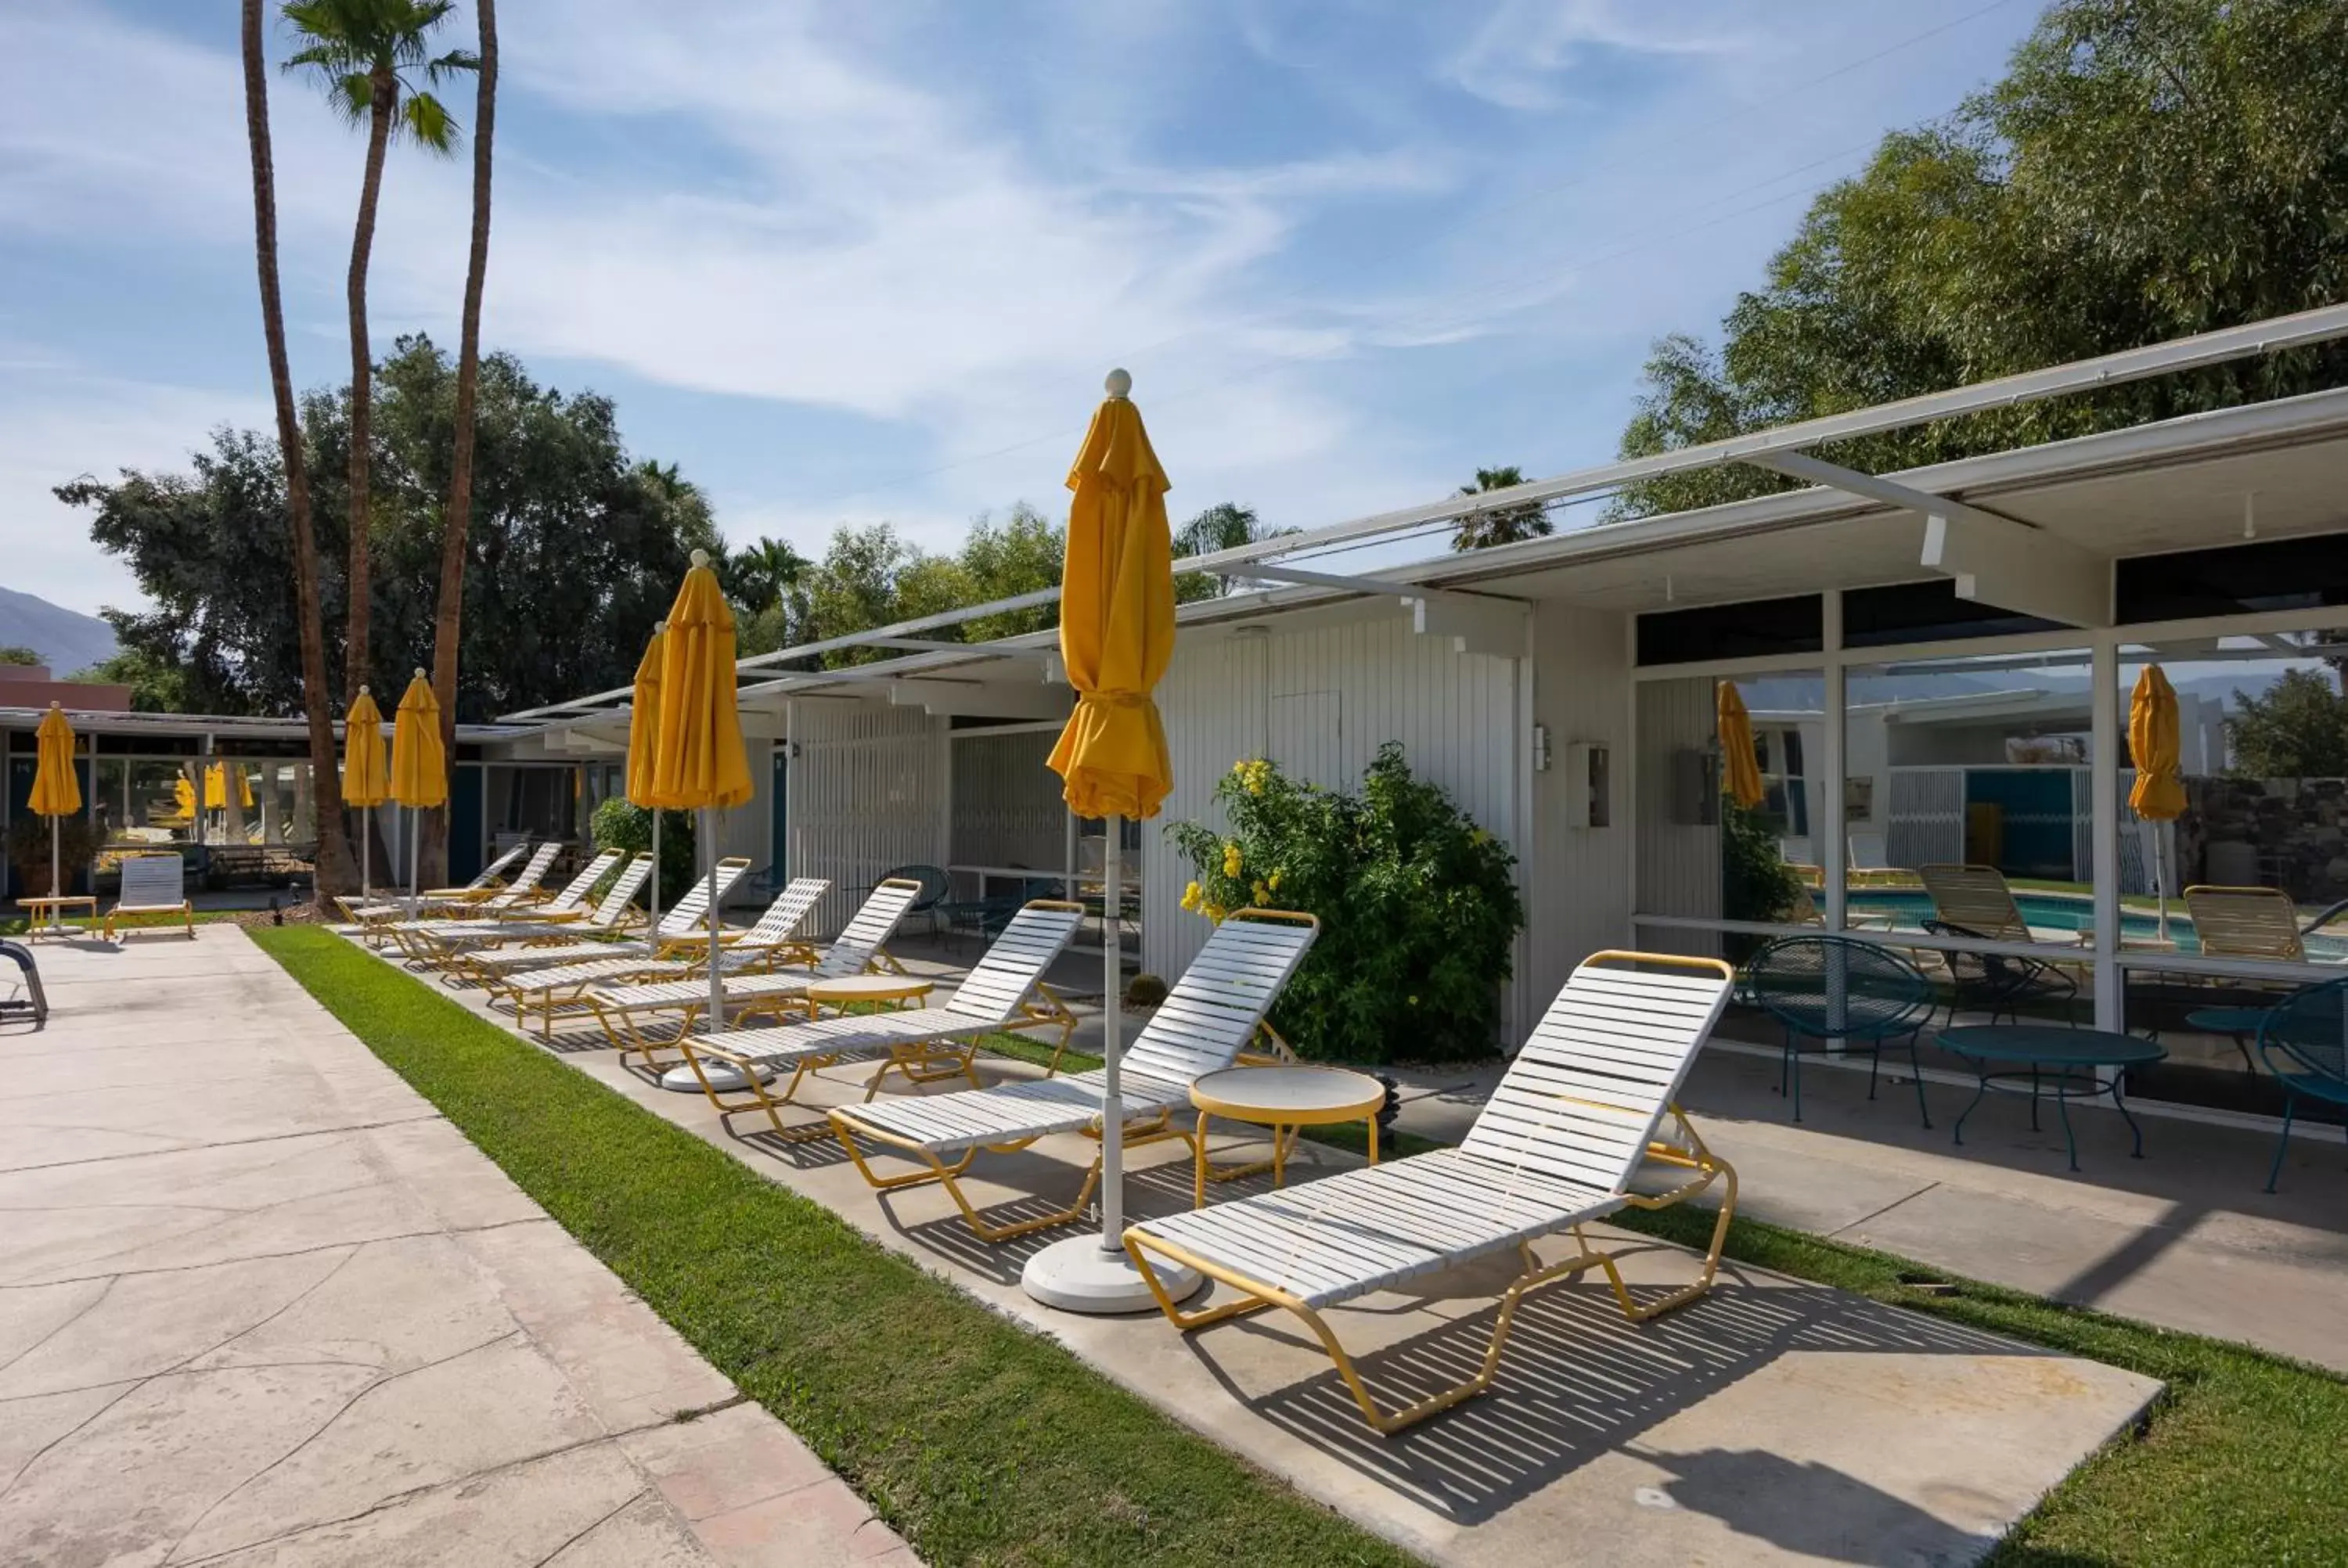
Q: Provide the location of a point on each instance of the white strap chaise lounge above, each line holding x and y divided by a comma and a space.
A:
1208, 1017
860, 945
544, 980
1555, 1148
1004, 993
482, 897
153, 885
454, 945
487, 885
417, 939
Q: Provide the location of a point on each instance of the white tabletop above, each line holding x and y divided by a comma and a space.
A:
1277, 1089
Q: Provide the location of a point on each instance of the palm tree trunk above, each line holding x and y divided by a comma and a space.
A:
333, 871
385, 100
448, 616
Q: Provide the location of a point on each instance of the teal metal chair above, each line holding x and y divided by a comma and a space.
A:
1835, 988
2304, 1041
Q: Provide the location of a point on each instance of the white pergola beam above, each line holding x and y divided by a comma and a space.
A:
1994, 559
1493, 627
981, 699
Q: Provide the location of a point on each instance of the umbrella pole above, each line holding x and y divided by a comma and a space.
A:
1112, 1236
655, 895
57, 921
717, 993
411, 888
367, 853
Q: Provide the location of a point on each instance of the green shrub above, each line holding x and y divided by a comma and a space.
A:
78, 842
1417, 902
621, 824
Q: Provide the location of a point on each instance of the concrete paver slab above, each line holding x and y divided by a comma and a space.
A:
259, 1303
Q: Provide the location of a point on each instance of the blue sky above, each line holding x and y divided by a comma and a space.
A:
850, 262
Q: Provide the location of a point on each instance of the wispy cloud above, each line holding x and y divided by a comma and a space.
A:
1528, 54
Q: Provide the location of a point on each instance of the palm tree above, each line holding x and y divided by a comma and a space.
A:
334, 873
1225, 525
447, 615
364, 55
1500, 525
758, 575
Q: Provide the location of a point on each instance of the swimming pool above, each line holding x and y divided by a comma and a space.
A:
1910, 908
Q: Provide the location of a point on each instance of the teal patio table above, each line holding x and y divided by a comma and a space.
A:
2049, 1056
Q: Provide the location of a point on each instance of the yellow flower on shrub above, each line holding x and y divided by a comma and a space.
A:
1231, 860
1190, 896
1273, 882
1263, 895
1216, 912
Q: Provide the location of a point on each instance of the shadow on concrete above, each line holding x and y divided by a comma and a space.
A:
1578, 1382
1812, 1511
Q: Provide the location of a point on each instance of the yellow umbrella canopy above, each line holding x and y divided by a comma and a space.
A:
1117, 618
56, 792
699, 761
366, 781
644, 719
1740, 771
2159, 792
419, 769
216, 784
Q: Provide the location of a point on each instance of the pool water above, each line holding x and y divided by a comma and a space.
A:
1911, 908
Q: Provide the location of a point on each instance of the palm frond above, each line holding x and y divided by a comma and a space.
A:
428, 123
456, 62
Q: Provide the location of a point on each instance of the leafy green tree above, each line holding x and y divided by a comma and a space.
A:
574, 552
1500, 525
1021, 554
2297, 730
18, 654
366, 56
155, 686
2145, 169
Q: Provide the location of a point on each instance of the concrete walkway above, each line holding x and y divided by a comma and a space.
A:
1773, 1422
2183, 1237
260, 1303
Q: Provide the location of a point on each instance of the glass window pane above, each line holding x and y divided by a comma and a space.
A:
1968, 797
1701, 855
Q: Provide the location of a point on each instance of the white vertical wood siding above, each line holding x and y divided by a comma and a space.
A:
1578, 882
1007, 810
1320, 699
869, 792
1679, 862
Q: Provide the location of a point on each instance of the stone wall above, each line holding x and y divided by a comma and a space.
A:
2297, 827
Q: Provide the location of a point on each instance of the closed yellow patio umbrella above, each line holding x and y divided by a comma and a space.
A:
1117, 638
644, 740
419, 768
698, 764
57, 792
1740, 771
366, 778
2158, 795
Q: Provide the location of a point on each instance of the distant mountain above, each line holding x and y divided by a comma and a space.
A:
68, 640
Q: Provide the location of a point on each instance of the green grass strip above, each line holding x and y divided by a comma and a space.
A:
2243, 1461
976, 1439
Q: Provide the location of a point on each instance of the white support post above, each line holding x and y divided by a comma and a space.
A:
1835, 863
2103, 774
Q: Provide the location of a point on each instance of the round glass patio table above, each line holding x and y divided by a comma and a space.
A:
1283, 1098
2049, 1056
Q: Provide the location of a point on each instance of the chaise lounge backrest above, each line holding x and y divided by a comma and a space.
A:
690, 914
782, 918
1206, 1019
612, 907
1580, 1100
852, 951
152, 882
1015, 965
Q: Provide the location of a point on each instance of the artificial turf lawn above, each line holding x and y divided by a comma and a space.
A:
983, 1442
2240, 1461
975, 1439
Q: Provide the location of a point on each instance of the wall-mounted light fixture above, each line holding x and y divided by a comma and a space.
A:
1588, 787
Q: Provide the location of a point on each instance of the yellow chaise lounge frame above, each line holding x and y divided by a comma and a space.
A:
1214, 1010
1555, 1148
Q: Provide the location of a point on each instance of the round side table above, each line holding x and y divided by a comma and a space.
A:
1284, 1099
848, 990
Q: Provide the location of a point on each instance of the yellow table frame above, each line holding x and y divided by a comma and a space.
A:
1286, 1123
54, 905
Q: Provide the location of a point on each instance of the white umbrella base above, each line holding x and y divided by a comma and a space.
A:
722, 1076
1075, 1274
